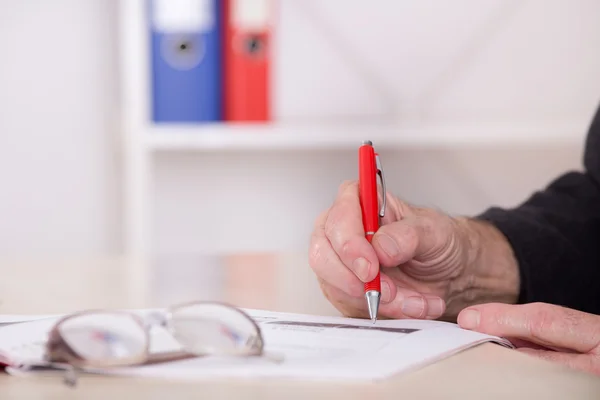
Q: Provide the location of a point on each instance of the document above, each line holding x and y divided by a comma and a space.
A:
310, 347
7, 319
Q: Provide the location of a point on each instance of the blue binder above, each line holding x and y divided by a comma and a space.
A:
186, 60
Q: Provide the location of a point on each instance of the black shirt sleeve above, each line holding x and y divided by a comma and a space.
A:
555, 235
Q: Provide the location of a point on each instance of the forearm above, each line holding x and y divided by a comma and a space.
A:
491, 272
547, 248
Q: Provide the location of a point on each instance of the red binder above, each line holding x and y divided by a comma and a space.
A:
247, 59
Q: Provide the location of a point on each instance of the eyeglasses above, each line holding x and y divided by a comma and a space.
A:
105, 339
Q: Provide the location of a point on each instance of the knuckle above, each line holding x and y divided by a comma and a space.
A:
331, 230
430, 212
470, 294
342, 306
540, 321
315, 254
399, 231
320, 220
336, 235
346, 190
430, 226
409, 236
404, 236
345, 247
571, 318
401, 206
327, 293
346, 185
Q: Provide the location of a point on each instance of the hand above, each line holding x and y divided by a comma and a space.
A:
423, 254
547, 331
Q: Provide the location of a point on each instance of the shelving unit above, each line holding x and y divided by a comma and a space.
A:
142, 140
328, 136
277, 136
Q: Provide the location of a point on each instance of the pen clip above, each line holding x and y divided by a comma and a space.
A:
382, 178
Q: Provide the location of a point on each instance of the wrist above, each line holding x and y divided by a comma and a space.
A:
490, 270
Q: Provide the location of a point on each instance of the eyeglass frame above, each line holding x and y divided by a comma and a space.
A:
59, 354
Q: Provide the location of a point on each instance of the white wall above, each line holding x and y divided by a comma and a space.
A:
58, 105
484, 61
474, 60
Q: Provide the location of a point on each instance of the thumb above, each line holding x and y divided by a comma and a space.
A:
421, 237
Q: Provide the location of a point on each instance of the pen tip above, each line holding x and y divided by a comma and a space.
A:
373, 304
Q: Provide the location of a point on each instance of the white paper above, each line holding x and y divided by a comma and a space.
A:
14, 318
313, 347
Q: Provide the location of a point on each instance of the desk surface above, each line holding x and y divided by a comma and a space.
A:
284, 283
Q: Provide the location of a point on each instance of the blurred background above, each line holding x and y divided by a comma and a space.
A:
471, 103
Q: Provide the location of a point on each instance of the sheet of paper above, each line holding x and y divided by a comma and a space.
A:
312, 347
6, 319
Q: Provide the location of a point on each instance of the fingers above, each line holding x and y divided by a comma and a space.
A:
356, 306
344, 230
582, 362
415, 236
545, 324
349, 306
404, 304
343, 259
326, 264
525, 344
410, 304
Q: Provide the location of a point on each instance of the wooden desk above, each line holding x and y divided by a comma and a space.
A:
285, 283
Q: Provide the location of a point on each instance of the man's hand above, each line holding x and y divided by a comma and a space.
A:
432, 265
551, 332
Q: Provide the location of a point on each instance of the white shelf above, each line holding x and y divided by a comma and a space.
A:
326, 136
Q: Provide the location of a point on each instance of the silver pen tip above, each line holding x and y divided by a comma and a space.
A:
372, 297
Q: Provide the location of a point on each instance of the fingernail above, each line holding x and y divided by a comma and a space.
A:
469, 319
361, 268
388, 245
386, 292
436, 307
413, 307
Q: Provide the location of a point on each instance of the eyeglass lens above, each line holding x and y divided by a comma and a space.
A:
213, 328
98, 337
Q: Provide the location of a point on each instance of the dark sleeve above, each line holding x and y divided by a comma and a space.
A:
555, 235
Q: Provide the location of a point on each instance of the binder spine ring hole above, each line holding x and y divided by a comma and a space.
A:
253, 45
182, 52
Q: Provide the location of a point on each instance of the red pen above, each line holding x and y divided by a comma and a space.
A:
369, 168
